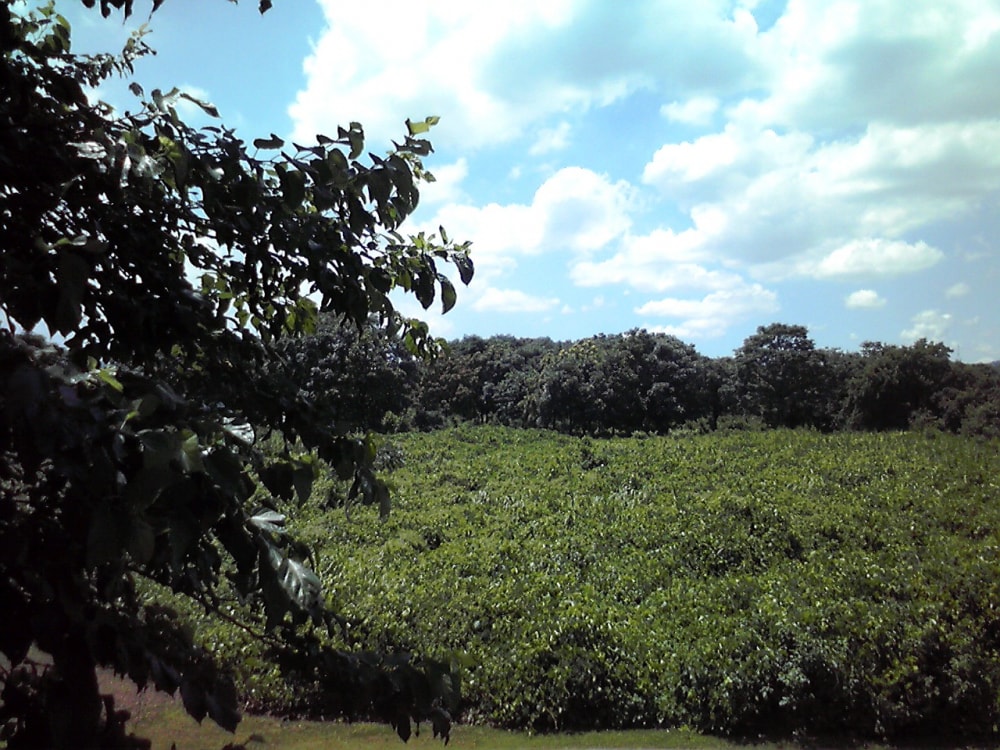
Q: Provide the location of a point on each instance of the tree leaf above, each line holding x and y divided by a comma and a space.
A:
300, 583
141, 540
159, 447
144, 487
465, 268
223, 705
106, 377
416, 128
273, 142
302, 478
71, 277
278, 477
448, 294
270, 521
106, 536
206, 107
194, 699
293, 188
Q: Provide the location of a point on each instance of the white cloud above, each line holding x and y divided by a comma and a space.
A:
785, 201
660, 279
583, 210
575, 209
713, 314
512, 301
658, 261
841, 136
958, 290
500, 234
876, 257
741, 151
551, 139
932, 325
848, 62
690, 162
698, 110
864, 299
446, 187
493, 70
369, 67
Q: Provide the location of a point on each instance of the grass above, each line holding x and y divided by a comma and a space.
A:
171, 725
162, 719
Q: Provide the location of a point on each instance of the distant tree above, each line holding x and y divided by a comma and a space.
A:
569, 390
895, 384
623, 383
651, 382
450, 386
839, 369
674, 379
780, 376
169, 261
969, 403
718, 379
477, 379
361, 375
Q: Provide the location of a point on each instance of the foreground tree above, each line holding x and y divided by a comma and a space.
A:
168, 261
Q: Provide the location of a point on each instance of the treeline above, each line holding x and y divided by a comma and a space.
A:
645, 382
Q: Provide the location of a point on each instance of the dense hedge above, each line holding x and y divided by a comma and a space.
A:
738, 583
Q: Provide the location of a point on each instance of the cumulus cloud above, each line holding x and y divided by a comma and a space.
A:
660, 279
784, 198
864, 299
493, 70
876, 257
957, 290
739, 151
849, 62
551, 139
827, 146
365, 67
513, 301
932, 325
582, 210
447, 185
574, 210
714, 313
698, 110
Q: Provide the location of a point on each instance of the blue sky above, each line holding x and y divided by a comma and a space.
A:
694, 168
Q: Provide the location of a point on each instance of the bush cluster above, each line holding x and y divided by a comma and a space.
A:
740, 583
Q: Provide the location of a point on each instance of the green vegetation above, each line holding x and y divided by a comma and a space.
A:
650, 382
737, 583
228, 330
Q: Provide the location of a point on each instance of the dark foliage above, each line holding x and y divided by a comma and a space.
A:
169, 261
644, 382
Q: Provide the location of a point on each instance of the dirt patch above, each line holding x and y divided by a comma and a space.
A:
141, 704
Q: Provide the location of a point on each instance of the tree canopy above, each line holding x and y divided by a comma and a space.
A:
168, 262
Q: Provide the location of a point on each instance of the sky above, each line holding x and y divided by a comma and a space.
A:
693, 168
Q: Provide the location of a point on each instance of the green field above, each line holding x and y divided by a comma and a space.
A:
743, 584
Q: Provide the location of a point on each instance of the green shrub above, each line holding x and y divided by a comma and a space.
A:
741, 582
